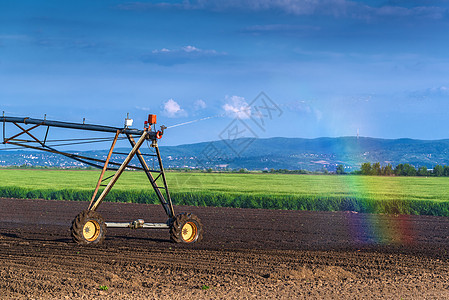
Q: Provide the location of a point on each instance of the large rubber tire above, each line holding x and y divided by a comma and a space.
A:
186, 228
88, 228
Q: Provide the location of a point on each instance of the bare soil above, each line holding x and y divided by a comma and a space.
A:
245, 254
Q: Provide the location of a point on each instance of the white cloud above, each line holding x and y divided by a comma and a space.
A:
440, 92
431, 12
185, 49
336, 8
191, 49
163, 50
303, 107
281, 29
172, 109
181, 55
199, 104
295, 7
16, 37
144, 108
237, 107
299, 106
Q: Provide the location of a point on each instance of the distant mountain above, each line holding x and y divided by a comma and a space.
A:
272, 153
313, 154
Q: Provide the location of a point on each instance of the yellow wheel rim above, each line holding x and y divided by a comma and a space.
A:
91, 230
189, 232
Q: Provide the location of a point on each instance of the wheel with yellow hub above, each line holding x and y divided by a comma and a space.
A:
186, 228
88, 228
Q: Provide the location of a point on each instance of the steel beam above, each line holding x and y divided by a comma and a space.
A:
105, 167
120, 171
81, 126
170, 204
166, 203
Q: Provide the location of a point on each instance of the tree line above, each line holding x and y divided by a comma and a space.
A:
402, 170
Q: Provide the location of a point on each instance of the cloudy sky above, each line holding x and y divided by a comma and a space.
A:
326, 68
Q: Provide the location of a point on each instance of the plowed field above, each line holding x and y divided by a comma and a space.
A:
245, 254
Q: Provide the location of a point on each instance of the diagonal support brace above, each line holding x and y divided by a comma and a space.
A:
166, 203
119, 171
27, 131
105, 167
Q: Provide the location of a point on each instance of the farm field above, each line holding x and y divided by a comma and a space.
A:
245, 254
372, 194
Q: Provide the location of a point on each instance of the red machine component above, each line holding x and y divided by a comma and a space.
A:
151, 119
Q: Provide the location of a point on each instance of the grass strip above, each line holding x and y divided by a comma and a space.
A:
242, 200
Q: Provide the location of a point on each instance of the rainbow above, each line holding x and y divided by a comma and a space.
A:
366, 228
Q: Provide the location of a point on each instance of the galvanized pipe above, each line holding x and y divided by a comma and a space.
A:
145, 225
81, 126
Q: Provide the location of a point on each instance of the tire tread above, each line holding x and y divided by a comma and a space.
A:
178, 223
78, 225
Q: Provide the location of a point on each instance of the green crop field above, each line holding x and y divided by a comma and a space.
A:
405, 195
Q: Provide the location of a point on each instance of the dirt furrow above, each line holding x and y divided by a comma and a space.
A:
299, 255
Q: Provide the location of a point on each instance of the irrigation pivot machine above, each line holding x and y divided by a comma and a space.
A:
89, 227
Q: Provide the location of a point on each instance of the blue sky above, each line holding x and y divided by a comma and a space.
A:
331, 67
